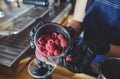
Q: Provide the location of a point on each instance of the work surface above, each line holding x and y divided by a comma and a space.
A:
59, 73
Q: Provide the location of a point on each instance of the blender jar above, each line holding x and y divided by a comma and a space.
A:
46, 29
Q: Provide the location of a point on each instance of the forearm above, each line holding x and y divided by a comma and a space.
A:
114, 51
78, 15
77, 26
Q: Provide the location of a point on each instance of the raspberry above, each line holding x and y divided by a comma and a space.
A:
57, 42
50, 48
57, 52
50, 41
45, 52
54, 35
41, 41
47, 46
41, 49
63, 43
47, 37
60, 36
68, 58
50, 53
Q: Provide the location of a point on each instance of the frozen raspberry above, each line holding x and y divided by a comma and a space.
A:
57, 52
68, 58
57, 42
47, 37
45, 52
52, 48
41, 41
50, 53
60, 36
49, 47
63, 43
54, 35
50, 41
41, 49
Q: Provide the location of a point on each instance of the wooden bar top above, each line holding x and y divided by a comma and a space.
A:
59, 73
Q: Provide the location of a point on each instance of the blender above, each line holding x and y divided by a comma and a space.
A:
43, 65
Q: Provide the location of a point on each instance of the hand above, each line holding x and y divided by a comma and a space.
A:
82, 55
70, 30
73, 59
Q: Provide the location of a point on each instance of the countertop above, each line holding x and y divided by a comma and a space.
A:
57, 74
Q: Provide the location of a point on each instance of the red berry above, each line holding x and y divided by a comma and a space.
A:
68, 58
57, 42
63, 43
47, 37
50, 53
49, 47
57, 52
41, 49
54, 35
41, 41
45, 52
50, 41
60, 36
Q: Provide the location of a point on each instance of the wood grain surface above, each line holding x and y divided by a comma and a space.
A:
59, 73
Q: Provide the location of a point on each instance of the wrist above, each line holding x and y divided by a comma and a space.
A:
76, 25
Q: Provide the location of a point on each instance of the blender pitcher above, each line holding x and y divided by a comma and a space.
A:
42, 30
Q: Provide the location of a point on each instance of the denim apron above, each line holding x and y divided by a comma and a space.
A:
102, 22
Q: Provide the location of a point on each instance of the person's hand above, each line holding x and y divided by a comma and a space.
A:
72, 60
70, 30
80, 57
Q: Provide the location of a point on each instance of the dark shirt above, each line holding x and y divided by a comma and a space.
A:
102, 21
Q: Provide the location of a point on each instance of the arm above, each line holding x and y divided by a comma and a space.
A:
78, 15
114, 51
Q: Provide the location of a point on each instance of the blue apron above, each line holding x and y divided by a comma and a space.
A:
102, 22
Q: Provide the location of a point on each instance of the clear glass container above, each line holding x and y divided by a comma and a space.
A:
41, 69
